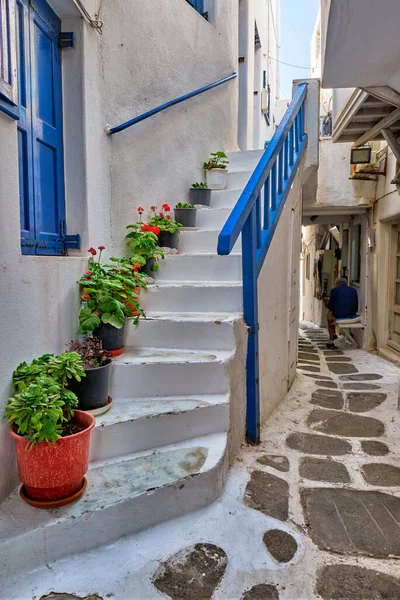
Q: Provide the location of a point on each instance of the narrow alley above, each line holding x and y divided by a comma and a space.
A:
312, 512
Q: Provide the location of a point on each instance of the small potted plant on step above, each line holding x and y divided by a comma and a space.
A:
168, 236
52, 439
92, 391
216, 171
199, 193
143, 248
105, 290
185, 214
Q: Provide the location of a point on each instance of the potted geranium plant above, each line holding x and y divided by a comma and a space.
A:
199, 193
143, 248
168, 236
52, 439
216, 171
185, 214
93, 390
105, 291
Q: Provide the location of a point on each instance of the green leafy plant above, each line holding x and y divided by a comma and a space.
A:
163, 220
185, 205
142, 243
199, 186
106, 289
217, 160
42, 407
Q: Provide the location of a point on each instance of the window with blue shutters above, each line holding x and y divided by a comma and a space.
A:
199, 6
40, 131
8, 60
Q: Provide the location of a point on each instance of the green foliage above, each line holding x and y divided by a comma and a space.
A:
142, 245
164, 221
106, 289
217, 160
41, 403
90, 349
199, 186
185, 205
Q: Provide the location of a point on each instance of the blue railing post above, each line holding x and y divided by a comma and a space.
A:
250, 312
274, 174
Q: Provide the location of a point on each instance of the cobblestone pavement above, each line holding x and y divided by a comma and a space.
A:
313, 512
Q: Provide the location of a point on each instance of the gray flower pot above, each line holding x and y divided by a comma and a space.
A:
200, 196
186, 216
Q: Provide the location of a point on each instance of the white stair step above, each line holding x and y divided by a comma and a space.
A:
121, 498
135, 424
212, 218
143, 372
224, 198
201, 242
237, 179
247, 159
200, 267
205, 296
195, 331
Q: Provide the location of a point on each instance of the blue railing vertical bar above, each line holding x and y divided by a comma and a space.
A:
270, 182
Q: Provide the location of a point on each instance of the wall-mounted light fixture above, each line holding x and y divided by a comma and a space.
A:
361, 156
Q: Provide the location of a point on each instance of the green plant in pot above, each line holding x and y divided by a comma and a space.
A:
216, 170
168, 236
52, 438
92, 391
200, 193
143, 248
105, 291
185, 214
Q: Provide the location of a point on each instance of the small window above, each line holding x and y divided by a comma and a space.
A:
308, 266
8, 60
355, 266
199, 6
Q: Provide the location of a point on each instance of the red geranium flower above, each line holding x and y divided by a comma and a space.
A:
101, 247
153, 208
166, 207
92, 251
89, 273
140, 210
145, 227
156, 230
136, 268
168, 217
161, 215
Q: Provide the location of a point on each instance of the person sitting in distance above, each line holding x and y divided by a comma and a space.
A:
343, 304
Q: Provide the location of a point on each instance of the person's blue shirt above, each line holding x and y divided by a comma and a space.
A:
343, 302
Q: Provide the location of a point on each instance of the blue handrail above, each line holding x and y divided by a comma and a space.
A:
154, 111
272, 179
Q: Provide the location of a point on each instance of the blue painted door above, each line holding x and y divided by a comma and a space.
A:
40, 129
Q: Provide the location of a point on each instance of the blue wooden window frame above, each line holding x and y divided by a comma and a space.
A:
8, 60
199, 6
40, 130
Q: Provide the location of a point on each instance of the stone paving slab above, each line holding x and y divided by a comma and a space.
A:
361, 386
328, 384
262, 591
344, 424
311, 369
337, 359
328, 398
280, 544
361, 377
381, 475
360, 403
318, 469
340, 369
374, 448
349, 582
310, 443
268, 494
275, 461
349, 521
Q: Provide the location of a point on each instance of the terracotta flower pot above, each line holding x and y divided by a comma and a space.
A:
55, 471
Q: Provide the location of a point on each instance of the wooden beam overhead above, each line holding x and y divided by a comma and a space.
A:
392, 143
385, 94
385, 123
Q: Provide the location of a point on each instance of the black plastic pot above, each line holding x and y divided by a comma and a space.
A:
186, 216
93, 390
167, 239
148, 267
112, 338
200, 196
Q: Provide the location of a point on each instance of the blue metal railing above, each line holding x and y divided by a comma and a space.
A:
154, 111
272, 179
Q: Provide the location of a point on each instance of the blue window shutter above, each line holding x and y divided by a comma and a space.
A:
8, 59
198, 5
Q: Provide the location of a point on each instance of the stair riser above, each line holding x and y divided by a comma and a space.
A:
224, 198
101, 527
192, 299
244, 160
174, 379
196, 242
237, 180
212, 218
127, 437
200, 268
181, 334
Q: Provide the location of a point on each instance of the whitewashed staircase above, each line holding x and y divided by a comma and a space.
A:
178, 404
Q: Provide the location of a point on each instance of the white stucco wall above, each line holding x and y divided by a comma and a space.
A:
150, 52
278, 300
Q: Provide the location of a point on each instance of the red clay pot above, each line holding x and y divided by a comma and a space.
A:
55, 471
